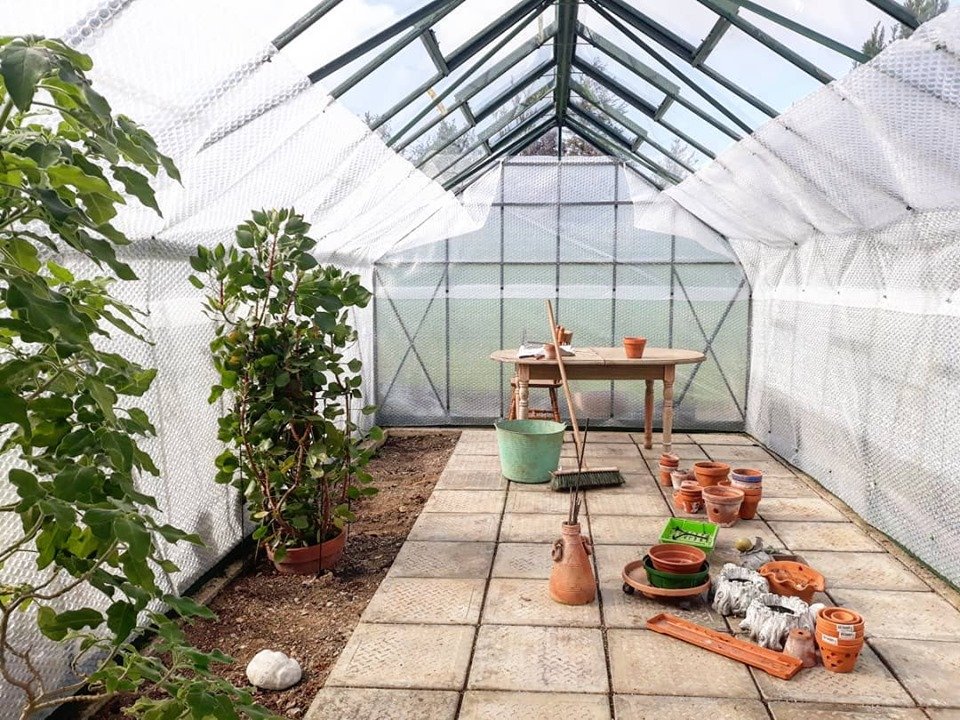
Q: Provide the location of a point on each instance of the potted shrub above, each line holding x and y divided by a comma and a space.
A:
282, 334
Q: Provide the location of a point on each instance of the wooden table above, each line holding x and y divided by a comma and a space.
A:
598, 363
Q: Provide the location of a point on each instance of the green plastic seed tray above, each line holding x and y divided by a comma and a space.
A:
696, 533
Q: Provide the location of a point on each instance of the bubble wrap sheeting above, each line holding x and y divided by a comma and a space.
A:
561, 231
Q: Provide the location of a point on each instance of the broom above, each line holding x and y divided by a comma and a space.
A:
580, 478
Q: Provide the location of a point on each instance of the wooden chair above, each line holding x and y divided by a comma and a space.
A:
532, 413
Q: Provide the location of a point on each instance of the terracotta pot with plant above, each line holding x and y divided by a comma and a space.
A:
281, 346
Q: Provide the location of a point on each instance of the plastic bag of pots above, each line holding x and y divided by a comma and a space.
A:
770, 618
736, 588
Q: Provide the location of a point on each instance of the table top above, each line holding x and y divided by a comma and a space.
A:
608, 356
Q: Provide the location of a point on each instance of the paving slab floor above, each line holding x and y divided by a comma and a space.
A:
463, 626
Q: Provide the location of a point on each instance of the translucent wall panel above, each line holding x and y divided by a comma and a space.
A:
562, 231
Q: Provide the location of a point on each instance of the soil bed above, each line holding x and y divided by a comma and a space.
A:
311, 618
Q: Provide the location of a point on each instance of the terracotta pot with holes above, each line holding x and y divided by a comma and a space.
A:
571, 580
839, 656
723, 504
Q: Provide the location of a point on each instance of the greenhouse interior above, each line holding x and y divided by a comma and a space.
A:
321, 333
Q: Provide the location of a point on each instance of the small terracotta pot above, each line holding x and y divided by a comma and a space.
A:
677, 477
549, 351
311, 560
686, 503
746, 475
837, 657
633, 346
710, 473
751, 499
571, 579
670, 460
723, 504
676, 558
801, 645
841, 623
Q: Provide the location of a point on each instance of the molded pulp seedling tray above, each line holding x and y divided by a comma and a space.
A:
696, 533
770, 661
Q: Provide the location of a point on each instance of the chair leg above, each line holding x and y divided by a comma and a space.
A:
512, 415
554, 404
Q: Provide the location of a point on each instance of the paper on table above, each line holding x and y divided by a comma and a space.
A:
536, 350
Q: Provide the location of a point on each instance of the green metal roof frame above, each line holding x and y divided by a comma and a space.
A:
573, 106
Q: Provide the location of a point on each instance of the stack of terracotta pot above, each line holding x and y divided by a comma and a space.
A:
689, 498
711, 473
751, 482
723, 504
839, 636
668, 463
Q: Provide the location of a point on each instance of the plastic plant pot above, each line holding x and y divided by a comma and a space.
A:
672, 581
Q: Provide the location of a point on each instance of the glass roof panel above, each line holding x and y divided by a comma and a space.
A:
686, 18
386, 85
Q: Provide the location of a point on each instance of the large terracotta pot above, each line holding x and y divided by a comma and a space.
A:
710, 473
723, 504
311, 560
571, 580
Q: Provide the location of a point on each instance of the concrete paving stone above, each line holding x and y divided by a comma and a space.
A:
338, 703
556, 503
863, 571
604, 437
472, 463
726, 537
492, 705
623, 463
799, 510
930, 670
647, 503
477, 479
478, 435
633, 482
610, 560
677, 438
527, 602
642, 661
465, 527
483, 447
443, 560
870, 683
786, 486
829, 711
539, 659
769, 468
929, 616
393, 656
465, 501
513, 486
658, 707
741, 454
632, 611
523, 560
943, 714
428, 601
723, 439
626, 529
843, 537
689, 454
607, 451
535, 527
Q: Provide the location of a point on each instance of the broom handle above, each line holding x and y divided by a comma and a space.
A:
563, 379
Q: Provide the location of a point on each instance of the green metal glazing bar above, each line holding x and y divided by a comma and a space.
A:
727, 10
453, 86
485, 135
603, 127
710, 42
304, 23
544, 112
517, 144
430, 44
608, 14
414, 20
378, 61
605, 131
586, 95
652, 29
499, 69
897, 12
800, 29
656, 80
564, 48
494, 30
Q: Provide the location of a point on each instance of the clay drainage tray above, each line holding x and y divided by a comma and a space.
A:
770, 661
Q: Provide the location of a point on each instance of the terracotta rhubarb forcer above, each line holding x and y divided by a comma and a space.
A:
571, 580
723, 504
710, 473
793, 579
310, 560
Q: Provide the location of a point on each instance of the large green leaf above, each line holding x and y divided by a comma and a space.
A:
56, 625
137, 185
22, 68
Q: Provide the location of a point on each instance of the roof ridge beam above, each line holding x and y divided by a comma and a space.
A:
564, 49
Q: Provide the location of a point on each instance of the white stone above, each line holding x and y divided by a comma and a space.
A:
273, 670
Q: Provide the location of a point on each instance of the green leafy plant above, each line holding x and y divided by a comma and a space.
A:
67, 403
282, 332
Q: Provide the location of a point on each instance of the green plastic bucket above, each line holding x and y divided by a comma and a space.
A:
529, 449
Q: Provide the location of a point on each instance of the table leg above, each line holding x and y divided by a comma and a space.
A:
523, 391
668, 377
648, 416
